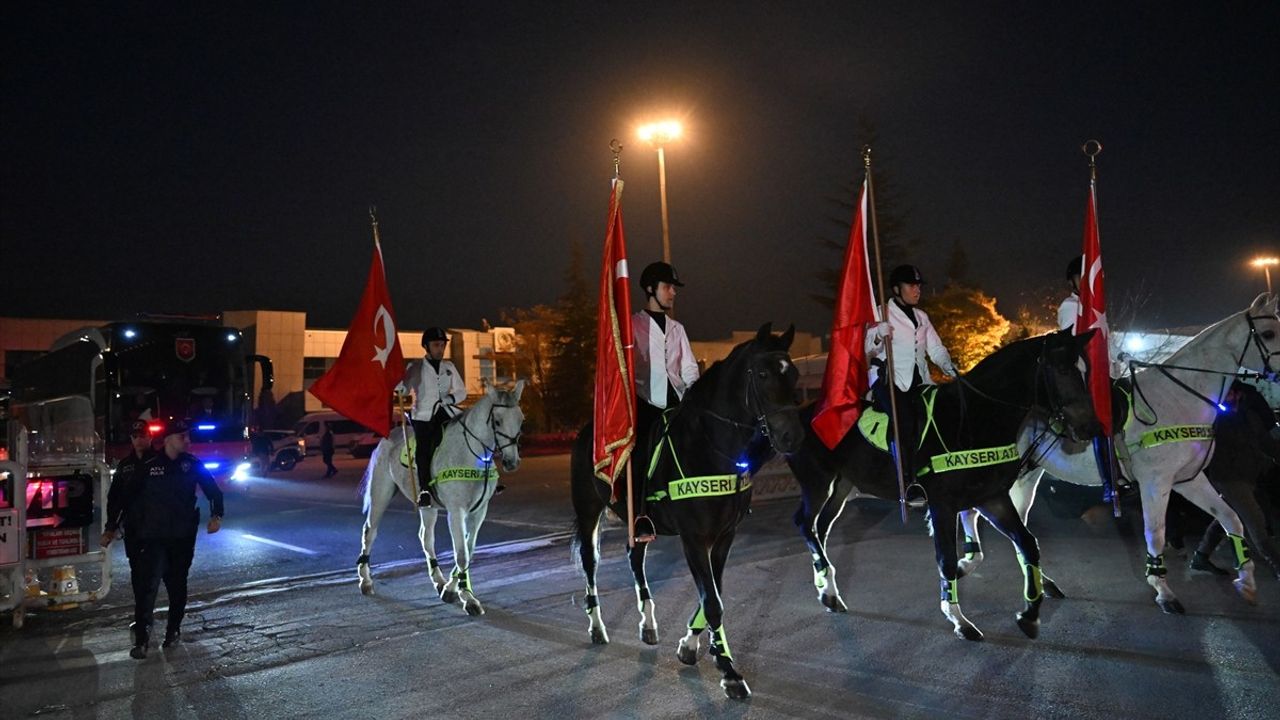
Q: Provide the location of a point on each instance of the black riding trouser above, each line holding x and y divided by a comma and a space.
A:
908, 423
156, 560
427, 434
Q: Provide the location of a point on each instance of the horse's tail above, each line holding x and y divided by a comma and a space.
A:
366, 483
575, 546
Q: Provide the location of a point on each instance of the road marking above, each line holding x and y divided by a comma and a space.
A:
521, 523
277, 543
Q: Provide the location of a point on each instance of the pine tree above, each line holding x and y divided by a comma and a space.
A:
572, 372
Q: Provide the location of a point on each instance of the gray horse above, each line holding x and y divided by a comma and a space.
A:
465, 468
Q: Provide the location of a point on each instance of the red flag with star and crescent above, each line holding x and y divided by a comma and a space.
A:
614, 414
1093, 314
361, 382
844, 383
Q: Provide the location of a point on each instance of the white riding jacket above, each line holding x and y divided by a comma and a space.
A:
912, 344
1068, 311
433, 390
677, 363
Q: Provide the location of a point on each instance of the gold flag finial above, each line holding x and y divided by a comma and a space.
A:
1092, 148
616, 147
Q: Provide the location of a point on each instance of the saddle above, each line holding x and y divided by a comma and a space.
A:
874, 426
682, 486
455, 474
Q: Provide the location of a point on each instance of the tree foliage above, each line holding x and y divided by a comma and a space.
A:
897, 245
556, 351
967, 322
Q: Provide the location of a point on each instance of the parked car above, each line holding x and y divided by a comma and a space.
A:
363, 445
287, 449
312, 426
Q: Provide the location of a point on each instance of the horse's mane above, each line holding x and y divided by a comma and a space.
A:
700, 392
998, 362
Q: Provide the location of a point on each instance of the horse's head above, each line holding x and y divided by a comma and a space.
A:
1059, 379
1264, 336
770, 382
506, 419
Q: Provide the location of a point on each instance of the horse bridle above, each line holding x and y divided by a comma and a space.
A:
1255, 338
501, 441
755, 407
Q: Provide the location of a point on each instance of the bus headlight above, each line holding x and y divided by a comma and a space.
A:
241, 473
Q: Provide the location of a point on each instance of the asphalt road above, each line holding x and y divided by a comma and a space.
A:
278, 628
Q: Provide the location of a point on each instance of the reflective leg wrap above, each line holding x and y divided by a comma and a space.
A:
819, 564
698, 622
950, 591
642, 594
362, 560
720, 644
820, 577
971, 547
463, 577
590, 603
1033, 589
1242, 549
431, 563
1155, 566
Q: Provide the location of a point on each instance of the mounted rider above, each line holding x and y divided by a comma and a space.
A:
437, 389
915, 342
665, 366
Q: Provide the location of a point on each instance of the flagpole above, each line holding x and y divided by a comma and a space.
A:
888, 344
1093, 148
616, 147
404, 424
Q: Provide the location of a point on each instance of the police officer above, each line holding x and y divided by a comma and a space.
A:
162, 519
915, 341
437, 389
122, 508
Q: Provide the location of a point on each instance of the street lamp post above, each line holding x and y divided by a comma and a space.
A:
659, 134
1265, 263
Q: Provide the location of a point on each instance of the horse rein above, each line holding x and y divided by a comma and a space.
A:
755, 406
1268, 372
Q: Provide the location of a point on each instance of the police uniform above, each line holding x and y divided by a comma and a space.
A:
163, 520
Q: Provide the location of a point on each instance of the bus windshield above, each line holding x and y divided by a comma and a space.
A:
179, 371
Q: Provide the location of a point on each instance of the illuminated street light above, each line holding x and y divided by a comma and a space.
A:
1265, 263
659, 134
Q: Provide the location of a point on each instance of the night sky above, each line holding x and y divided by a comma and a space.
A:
175, 160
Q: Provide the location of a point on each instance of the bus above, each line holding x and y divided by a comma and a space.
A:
152, 369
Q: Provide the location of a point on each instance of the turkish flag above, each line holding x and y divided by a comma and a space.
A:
614, 415
844, 383
1093, 314
370, 364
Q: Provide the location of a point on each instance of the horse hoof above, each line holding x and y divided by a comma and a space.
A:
1029, 627
1051, 589
969, 632
649, 636
735, 689
366, 588
833, 603
687, 655
599, 636
449, 597
1171, 607
1250, 595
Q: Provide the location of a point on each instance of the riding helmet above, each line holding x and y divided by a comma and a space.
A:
434, 333
1075, 268
658, 272
906, 274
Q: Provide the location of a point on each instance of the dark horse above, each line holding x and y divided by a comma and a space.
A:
1247, 449
732, 420
980, 412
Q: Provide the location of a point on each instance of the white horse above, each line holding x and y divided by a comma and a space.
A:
466, 475
1171, 401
